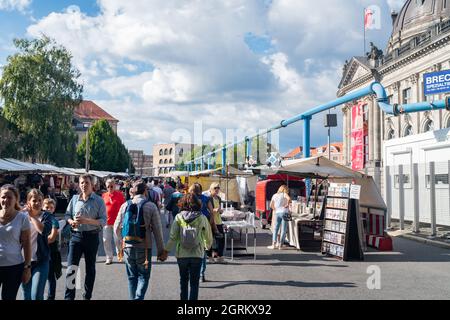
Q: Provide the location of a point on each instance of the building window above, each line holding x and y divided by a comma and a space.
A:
161, 152
166, 152
165, 161
160, 161
444, 4
170, 161
428, 126
407, 96
406, 180
170, 151
181, 152
408, 131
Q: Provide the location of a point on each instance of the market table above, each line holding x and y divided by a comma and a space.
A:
301, 233
235, 219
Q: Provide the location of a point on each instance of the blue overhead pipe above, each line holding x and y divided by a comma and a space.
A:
224, 159
374, 88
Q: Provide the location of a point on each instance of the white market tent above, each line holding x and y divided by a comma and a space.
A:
8, 166
230, 172
13, 166
323, 168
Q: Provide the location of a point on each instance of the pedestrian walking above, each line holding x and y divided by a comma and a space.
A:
219, 236
86, 214
113, 201
190, 235
40, 228
137, 220
206, 210
55, 266
280, 206
167, 192
172, 206
15, 268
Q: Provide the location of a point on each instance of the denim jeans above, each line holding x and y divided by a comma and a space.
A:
203, 269
87, 244
189, 276
138, 275
51, 283
35, 288
220, 242
279, 222
10, 280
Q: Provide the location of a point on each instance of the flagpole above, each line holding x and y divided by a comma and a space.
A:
364, 26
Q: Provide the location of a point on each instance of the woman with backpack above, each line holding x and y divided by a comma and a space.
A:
190, 235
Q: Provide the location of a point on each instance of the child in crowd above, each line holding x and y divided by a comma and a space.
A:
55, 269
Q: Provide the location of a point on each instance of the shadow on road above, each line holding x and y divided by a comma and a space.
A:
299, 284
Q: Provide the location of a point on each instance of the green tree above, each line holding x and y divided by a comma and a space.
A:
10, 137
235, 156
106, 150
40, 89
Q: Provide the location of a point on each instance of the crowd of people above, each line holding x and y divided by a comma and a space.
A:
130, 217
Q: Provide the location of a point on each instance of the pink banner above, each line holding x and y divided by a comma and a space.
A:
357, 137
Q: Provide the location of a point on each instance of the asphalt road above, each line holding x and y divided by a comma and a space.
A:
412, 271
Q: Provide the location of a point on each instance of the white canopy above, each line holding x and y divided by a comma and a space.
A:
229, 172
8, 166
16, 166
320, 167
178, 174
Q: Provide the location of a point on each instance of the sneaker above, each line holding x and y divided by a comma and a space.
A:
108, 262
272, 247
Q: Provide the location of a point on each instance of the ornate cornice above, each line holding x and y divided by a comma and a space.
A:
419, 53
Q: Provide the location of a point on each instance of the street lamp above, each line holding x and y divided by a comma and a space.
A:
330, 122
87, 126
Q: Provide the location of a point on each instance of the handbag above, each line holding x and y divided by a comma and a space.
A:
287, 216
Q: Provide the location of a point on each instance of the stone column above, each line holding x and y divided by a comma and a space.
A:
345, 133
377, 131
371, 133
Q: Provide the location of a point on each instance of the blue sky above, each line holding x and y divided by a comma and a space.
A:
160, 66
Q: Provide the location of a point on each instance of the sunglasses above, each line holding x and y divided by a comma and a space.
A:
217, 188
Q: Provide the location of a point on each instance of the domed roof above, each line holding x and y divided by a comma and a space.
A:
417, 16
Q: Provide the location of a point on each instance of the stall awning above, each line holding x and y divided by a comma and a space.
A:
12, 167
15, 166
229, 172
319, 167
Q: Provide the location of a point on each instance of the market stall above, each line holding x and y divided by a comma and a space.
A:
308, 215
237, 222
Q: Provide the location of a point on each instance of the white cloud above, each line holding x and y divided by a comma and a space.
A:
10, 5
396, 4
187, 61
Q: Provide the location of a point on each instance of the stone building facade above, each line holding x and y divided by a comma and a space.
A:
419, 44
167, 156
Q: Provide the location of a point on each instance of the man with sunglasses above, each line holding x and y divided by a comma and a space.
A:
113, 200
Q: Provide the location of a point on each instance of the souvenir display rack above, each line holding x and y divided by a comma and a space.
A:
341, 234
